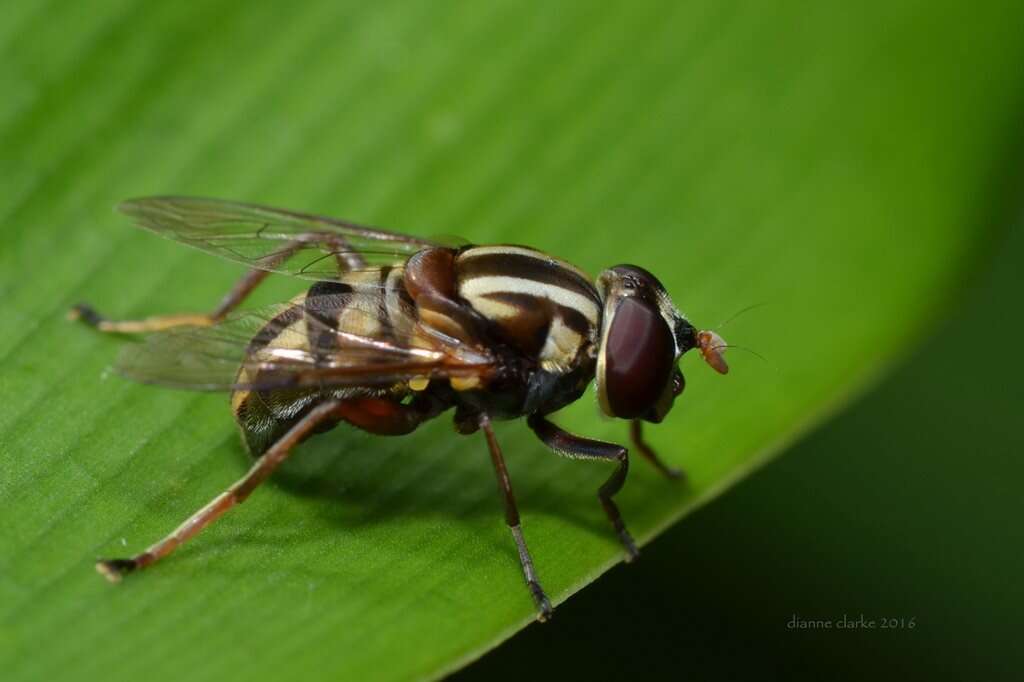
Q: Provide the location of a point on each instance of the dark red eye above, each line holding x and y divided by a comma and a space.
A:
639, 355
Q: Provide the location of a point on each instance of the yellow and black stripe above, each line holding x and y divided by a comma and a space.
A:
544, 307
369, 304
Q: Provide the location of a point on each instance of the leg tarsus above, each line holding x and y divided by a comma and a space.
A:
242, 288
604, 494
540, 599
115, 569
648, 453
85, 313
544, 608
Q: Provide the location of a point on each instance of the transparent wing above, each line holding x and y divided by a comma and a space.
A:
277, 240
316, 343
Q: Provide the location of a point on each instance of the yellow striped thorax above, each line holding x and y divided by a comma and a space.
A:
544, 307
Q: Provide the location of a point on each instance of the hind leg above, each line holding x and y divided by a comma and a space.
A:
114, 569
231, 300
261, 422
346, 258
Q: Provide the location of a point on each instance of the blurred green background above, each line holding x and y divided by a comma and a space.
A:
856, 166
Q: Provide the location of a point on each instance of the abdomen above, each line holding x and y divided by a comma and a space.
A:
363, 303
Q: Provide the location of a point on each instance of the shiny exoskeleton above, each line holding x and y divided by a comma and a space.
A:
396, 330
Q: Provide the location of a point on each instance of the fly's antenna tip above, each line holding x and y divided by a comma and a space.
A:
738, 313
757, 355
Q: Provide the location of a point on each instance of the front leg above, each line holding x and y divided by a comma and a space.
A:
577, 447
647, 452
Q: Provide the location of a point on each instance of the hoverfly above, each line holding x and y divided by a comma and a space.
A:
396, 330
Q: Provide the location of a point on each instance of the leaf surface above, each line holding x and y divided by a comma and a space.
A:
836, 161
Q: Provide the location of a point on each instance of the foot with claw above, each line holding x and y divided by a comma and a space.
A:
115, 569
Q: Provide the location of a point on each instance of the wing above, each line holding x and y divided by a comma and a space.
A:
297, 244
339, 343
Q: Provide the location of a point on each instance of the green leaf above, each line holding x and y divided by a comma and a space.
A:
836, 161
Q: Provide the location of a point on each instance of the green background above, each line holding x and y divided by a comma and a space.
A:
854, 166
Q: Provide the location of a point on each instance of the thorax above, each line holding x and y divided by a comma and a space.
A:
545, 308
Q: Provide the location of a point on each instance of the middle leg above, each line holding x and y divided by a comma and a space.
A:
512, 519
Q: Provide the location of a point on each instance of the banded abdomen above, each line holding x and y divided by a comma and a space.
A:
365, 304
545, 308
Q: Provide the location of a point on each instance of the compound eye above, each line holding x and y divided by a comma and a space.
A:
639, 358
